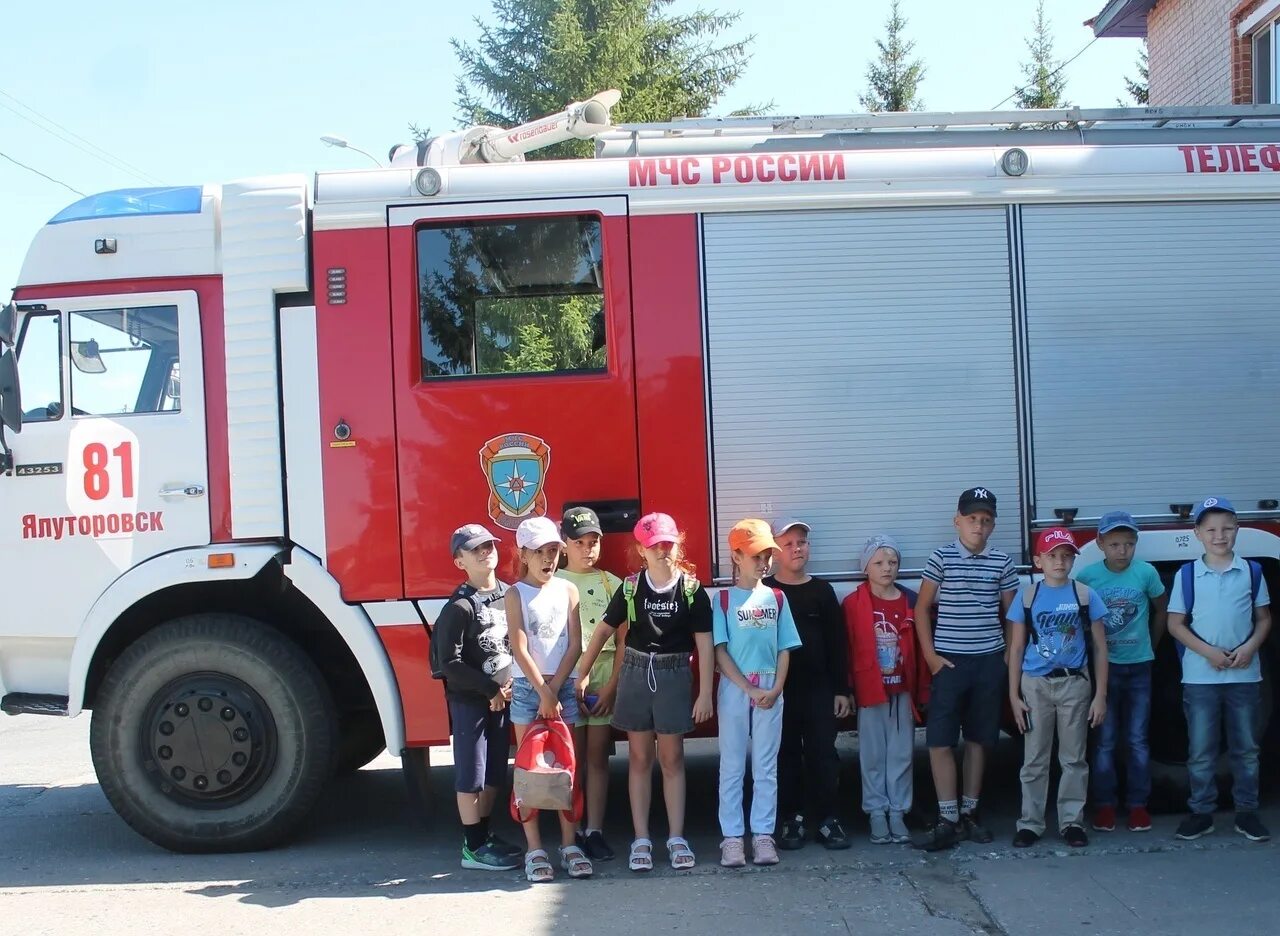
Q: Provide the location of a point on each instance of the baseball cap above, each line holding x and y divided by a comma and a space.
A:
874, 545
578, 522
975, 499
1212, 503
1117, 520
1052, 538
784, 525
537, 532
469, 536
654, 528
751, 537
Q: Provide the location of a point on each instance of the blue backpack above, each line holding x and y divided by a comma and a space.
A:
1187, 582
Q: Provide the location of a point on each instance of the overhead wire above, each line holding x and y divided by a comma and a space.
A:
1017, 91
101, 154
41, 174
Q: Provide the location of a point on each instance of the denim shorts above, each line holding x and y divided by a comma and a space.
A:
525, 699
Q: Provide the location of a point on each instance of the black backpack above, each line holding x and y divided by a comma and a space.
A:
466, 591
1082, 608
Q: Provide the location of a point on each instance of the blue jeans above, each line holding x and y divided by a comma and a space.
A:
1207, 706
742, 725
1128, 720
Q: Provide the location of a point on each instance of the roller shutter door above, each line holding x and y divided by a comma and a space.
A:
861, 374
1154, 362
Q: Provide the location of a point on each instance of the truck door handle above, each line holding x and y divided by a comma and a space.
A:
616, 516
187, 490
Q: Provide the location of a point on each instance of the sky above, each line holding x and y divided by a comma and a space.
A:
142, 93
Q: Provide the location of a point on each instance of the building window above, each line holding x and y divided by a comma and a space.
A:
511, 296
1264, 64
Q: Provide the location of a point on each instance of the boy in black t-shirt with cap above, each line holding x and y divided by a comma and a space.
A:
817, 694
470, 649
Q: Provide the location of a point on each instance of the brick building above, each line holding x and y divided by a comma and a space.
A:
1202, 51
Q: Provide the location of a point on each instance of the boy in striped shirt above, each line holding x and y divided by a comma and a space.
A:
973, 585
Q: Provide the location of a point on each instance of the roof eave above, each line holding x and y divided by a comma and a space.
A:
1123, 19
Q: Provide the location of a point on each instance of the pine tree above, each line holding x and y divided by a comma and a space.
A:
1140, 90
1044, 84
893, 78
539, 55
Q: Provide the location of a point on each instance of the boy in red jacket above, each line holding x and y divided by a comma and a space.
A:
888, 681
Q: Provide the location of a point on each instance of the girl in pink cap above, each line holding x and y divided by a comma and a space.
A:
668, 617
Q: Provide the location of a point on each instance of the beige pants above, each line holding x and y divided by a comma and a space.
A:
1059, 705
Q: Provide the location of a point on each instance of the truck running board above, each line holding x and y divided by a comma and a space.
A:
33, 703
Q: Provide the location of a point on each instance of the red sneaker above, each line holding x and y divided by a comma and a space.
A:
1139, 819
1104, 819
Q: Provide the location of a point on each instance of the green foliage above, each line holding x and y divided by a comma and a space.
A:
894, 78
1140, 91
539, 55
1044, 84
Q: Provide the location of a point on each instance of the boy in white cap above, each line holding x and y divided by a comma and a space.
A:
1219, 610
817, 694
1050, 690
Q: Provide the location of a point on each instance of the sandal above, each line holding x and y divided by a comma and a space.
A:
574, 860
641, 858
681, 854
537, 867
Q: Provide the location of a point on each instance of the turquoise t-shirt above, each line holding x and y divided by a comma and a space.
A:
753, 629
1060, 634
1128, 596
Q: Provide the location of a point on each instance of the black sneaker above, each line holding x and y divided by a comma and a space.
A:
1250, 826
594, 845
972, 829
944, 834
831, 835
502, 846
1194, 826
791, 836
486, 858
1024, 838
1075, 836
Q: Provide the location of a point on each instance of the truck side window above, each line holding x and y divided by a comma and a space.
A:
511, 296
124, 361
40, 367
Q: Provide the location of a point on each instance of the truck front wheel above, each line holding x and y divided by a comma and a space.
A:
213, 733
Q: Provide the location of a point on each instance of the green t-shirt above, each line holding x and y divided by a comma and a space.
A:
1127, 596
594, 591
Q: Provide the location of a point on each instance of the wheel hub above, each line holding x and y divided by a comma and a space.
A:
205, 737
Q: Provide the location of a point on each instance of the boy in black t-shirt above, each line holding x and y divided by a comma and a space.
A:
817, 694
473, 655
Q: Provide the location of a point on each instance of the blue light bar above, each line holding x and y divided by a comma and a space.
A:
124, 203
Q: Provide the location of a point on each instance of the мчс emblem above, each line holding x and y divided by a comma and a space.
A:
515, 466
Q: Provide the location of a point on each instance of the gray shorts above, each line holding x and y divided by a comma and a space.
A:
655, 693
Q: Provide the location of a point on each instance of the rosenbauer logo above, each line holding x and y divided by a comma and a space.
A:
515, 467
718, 170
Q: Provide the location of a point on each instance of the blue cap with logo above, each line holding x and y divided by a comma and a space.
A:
1212, 503
1117, 520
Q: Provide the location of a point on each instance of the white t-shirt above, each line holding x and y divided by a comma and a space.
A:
545, 613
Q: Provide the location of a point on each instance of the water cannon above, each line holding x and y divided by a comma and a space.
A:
581, 120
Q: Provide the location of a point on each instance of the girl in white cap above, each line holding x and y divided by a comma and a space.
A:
546, 641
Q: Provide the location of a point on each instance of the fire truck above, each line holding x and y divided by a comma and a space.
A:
242, 419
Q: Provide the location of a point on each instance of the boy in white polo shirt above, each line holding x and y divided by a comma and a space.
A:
1218, 611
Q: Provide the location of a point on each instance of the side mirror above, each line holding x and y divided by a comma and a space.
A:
10, 393
8, 325
86, 357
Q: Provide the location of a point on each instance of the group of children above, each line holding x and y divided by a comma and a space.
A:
571, 641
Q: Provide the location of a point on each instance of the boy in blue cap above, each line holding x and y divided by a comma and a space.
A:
1221, 676
1136, 605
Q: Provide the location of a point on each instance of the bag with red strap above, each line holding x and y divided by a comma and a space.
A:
546, 770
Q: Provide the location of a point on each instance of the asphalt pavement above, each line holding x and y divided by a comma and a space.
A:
363, 863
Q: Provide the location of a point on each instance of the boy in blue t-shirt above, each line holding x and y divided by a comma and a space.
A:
1136, 605
1221, 676
753, 633
1051, 689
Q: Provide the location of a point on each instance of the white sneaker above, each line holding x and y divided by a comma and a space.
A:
880, 834
898, 828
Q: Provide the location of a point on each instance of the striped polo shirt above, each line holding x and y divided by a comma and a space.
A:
969, 587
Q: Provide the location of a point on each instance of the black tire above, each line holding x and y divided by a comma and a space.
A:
219, 699
359, 741
415, 763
